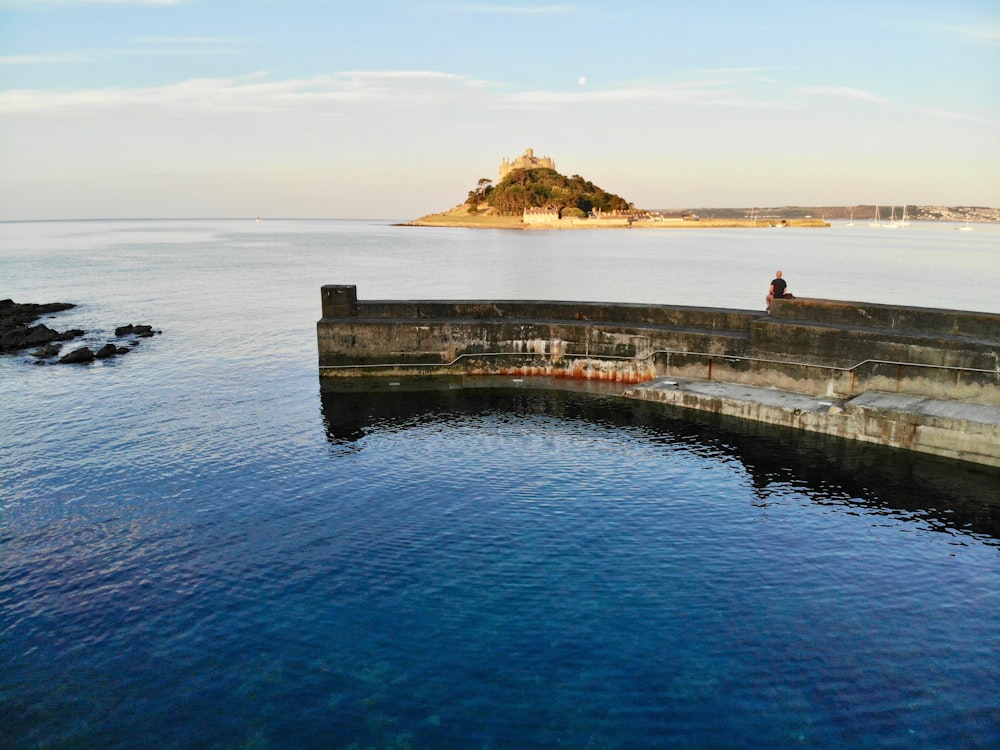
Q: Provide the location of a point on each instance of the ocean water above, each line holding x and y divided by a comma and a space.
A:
202, 547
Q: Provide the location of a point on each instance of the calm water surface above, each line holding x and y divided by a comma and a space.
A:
200, 547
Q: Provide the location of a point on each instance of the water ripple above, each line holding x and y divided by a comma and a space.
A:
199, 547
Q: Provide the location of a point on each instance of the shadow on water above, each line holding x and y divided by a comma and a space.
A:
947, 495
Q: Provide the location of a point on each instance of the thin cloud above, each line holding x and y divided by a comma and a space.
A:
78, 3
960, 116
42, 59
255, 93
179, 46
403, 75
704, 93
979, 34
840, 92
186, 40
336, 94
167, 48
505, 9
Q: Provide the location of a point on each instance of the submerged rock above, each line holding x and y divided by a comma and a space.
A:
108, 350
72, 333
49, 350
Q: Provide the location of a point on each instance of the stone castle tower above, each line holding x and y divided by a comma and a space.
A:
528, 160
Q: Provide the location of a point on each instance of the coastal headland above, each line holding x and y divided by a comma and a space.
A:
921, 379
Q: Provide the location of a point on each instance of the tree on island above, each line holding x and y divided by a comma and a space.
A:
479, 194
543, 188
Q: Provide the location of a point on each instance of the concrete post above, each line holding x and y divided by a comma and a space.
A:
338, 300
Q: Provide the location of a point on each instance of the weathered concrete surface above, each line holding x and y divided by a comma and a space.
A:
817, 357
963, 431
562, 339
835, 332
970, 432
923, 320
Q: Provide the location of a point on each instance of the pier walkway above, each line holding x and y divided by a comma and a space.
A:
922, 379
954, 429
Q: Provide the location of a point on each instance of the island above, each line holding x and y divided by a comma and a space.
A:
532, 194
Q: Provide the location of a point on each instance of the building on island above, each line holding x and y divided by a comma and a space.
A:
552, 217
527, 160
537, 216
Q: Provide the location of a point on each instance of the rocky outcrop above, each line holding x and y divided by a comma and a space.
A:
16, 329
17, 333
85, 355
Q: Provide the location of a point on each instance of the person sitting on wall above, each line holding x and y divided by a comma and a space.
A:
778, 290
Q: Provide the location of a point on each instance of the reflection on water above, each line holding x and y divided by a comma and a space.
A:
946, 495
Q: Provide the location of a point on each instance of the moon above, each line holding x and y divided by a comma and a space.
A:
582, 80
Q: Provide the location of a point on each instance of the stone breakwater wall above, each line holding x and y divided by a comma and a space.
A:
828, 350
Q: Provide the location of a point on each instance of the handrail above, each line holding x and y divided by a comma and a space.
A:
652, 354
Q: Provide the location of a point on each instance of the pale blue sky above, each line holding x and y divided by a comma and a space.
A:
395, 108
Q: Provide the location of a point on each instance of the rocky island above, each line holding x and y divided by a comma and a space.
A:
531, 194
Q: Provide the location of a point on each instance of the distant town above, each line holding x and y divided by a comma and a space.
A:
838, 213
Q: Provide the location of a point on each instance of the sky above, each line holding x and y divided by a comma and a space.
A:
396, 108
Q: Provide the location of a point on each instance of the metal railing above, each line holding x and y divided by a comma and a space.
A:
611, 357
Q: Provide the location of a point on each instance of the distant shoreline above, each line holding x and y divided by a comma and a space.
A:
715, 218
472, 221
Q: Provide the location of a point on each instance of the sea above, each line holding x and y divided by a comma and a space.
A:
202, 545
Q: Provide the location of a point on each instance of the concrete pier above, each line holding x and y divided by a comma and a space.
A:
917, 378
954, 429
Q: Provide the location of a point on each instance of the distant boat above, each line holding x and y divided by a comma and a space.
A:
851, 222
892, 219
258, 218
878, 220
904, 222
965, 227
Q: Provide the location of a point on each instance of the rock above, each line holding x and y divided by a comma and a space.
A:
138, 330
49, 350
13, 339
6, 336
16, 331
40, 334
78, 356
21, 337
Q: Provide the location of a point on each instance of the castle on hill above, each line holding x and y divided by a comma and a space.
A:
527, 160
